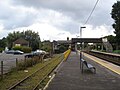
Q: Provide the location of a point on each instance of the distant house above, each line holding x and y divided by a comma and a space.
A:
57, 44
21, 42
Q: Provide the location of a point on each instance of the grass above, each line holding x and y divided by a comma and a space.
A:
116, 51
51, 67
47, 71
15, 76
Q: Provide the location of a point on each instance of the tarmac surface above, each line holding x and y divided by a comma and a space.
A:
69, 76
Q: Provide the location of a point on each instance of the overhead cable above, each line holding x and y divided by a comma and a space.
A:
91, 12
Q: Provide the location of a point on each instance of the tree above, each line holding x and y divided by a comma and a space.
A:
3, 43
28, 35
110, 38
12, 37
62, 48
47, 46
33, 38
116, 16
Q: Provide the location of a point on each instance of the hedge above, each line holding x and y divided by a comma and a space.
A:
25, 49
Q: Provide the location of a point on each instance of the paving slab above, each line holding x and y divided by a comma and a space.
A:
69, 76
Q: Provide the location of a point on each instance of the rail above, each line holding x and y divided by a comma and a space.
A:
37, 76
111, 57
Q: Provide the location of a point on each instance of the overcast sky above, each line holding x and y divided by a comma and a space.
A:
56, 19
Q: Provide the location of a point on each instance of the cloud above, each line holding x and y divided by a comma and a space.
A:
14, 17
3, 33
97, 32
61, 17
21, 16
78, 10
47, 32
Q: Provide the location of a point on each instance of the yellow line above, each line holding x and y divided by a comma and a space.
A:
106, 64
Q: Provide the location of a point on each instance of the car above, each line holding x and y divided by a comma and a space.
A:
9, 52
41, 51
14, 52
30, 55
35, 53
18, 52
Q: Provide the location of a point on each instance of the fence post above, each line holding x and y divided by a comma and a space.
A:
16, 62
1, 69
25, 63
32, 61
43, 58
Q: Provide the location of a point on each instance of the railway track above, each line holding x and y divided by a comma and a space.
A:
110, 57
36, 79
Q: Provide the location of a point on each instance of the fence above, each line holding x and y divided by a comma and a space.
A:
7, 65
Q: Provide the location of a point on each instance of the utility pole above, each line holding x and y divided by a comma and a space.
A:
81, 46
81, 31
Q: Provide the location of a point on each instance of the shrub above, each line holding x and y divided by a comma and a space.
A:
25, 49
1, 49
17, 48
62, 49
28, 63
21, 66
116, 51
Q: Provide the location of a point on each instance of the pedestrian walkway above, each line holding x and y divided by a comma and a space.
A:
69, 76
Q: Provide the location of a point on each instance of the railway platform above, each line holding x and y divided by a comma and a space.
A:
69, 76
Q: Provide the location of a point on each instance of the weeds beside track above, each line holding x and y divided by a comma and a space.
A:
34, 80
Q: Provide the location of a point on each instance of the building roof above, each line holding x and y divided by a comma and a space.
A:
21, 41
64, 41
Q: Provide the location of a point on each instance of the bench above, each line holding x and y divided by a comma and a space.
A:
89, 66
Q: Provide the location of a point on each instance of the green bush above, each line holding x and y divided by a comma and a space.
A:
62, 49
1, 49
17, 48
116, 51
27, 63
21, 66
25, 49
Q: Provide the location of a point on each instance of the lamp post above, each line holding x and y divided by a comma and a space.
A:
81, 46
81, 31
81, 34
